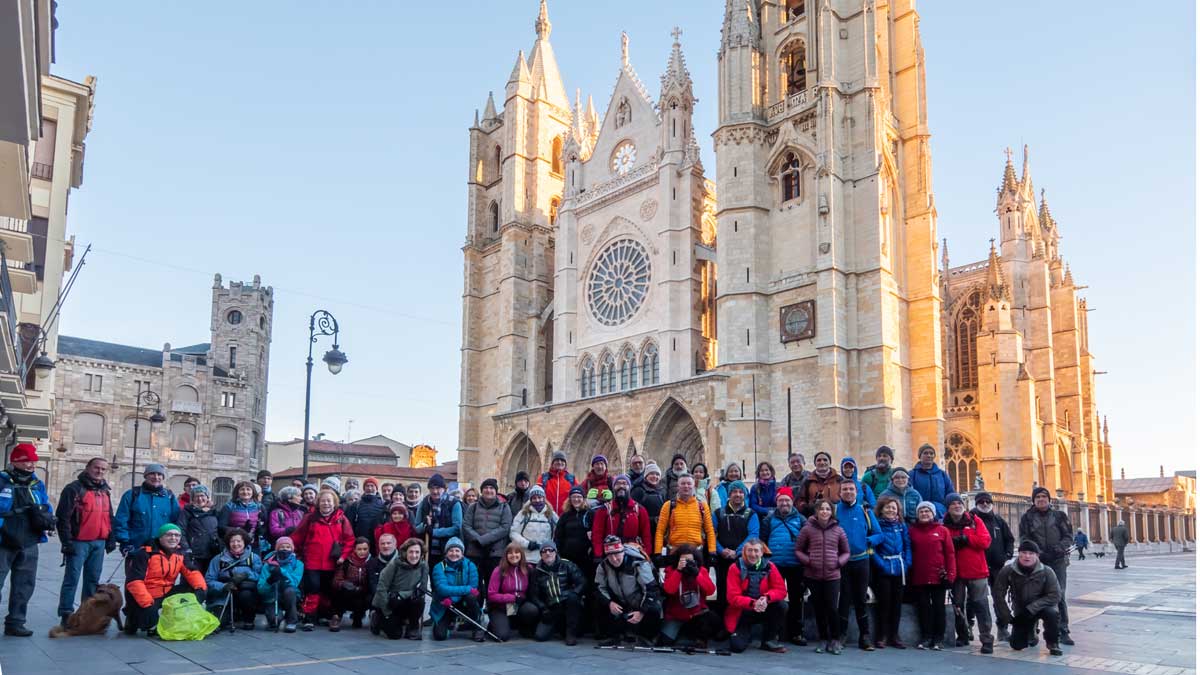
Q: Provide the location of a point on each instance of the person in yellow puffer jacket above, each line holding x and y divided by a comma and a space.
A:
685, 520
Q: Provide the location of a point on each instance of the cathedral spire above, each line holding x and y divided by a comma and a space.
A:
1009, 182
542, 25
520, 71
676, 78
543, 67
945, 255
489, 110
592, 121
624, 49
997, 287
1068, 280
741, 24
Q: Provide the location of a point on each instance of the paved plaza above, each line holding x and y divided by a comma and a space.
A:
1140, 620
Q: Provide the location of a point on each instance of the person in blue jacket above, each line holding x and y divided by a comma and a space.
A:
762, 492
455, 582
279, 585
850, 470
144, 509
439, 517
232, 579
862, 533
25, 517
901, 491
779, 530
890, 562
928, 479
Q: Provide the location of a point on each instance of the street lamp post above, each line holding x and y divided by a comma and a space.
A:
320, 323
148, 399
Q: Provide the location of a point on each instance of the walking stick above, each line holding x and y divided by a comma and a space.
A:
466, 618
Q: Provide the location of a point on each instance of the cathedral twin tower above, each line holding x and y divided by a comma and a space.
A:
616, 300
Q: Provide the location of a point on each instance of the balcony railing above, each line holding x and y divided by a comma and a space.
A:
14, 224
43, 171
10, 310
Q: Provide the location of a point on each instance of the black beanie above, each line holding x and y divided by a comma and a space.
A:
1040, 490
521, 475
490, 482
1031, 546
436, 480
885, 450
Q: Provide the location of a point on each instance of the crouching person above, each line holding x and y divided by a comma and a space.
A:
455, 585
757, 597
506, 592
630, 598
685, 609
352, 586
279, 585
232, 580
1035, 595
154, 572
556, 588
400, 594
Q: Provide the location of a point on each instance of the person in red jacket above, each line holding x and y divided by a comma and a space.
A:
557, 482
352, 586
623, 517
823, 549
597, 480
971, 540
324, 538
934, 569
756, 595
396, 525
686, 589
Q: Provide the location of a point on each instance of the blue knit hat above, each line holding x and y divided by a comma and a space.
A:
736, 485
953, 497
455, 542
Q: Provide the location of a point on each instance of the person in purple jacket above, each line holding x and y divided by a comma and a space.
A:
286, 516
242, 512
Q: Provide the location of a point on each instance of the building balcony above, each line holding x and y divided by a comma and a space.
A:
42, 170
193, 407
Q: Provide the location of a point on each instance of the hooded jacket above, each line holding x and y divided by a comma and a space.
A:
150, 573
533, 527
1000, 550
141, 512
319, 538
934, 486
741, 597
629, 521
1052, 531
201, 532
557, 485
933, 559
909, 500
1032, 590
402, 580
865, 494
571, 534
551, 584
892, 556
365, 514
283, 520
822, 549
762, 497
291, 571
222, 568
877, 480
815, 488
84, 501
452, 580
780, 534
485, 528
971, 541
245, 515
633, 584
860, 525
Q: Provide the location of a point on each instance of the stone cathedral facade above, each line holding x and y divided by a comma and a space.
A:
619, 298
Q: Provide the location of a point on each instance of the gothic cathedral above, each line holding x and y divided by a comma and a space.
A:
616, 300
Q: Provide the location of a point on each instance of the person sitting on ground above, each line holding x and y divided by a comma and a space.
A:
352, 586
534, 524
233, 577
397, 524
556, 592
901, 491
629, 596
1035, 596
201, 529
279, 584
154, 572
400, 595
455, 585
386, 543
757, 597
823, 550
735, 524
506, 590
685, 609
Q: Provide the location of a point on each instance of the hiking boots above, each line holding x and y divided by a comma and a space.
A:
774, 646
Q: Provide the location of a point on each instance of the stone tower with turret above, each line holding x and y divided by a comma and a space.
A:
241, 324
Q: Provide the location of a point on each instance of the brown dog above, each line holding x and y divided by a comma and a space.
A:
93, 617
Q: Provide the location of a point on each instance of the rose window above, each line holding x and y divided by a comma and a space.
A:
619, 282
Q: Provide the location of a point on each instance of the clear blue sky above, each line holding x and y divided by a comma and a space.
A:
323, 146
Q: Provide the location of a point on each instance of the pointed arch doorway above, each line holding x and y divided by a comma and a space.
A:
591, 436
673, 431
522, 455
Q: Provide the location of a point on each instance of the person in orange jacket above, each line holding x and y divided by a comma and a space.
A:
151, 574
557, 482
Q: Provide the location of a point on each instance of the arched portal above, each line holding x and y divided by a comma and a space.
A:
590, 436
1065, 479
522, 455
672, 431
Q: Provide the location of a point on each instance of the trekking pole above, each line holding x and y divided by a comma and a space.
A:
466, 618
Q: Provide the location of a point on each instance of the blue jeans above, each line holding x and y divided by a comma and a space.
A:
89, 559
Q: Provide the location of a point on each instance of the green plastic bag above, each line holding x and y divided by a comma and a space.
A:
182, 618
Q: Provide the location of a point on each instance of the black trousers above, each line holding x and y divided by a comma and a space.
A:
611, 625
467, 605
705, 626
485, 565
889, 597
1023, 626
1060, 570
145, 618
318, 592
825, 596
564, 617
404, 613
502, 625
930, 601
355, 602
287, 600
771, 620
1120, 557
722, 565
856, 576
245, 602
793, 576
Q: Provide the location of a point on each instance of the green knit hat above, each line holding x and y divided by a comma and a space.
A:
167, 527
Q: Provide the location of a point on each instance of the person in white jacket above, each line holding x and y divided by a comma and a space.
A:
534, 524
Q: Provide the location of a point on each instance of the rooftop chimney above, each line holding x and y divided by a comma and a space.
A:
1161, 473
1122, 473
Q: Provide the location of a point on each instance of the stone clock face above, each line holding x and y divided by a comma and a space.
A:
796, 321
624, 157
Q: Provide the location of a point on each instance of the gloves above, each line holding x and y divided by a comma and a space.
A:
593, 493
239, 576
223, 577
68, 548
447, 603
533, 546
335, 551
288, 532
474, 593
606, 495
110, 546
275, 574
961, 541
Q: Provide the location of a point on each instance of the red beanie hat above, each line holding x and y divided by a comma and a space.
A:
371, 479
786, 492
24, 452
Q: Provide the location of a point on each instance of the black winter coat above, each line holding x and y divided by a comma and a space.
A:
1031, 591
571, 535
651, 499
364, 515
1051, 530
1001, 549
550, 585
201, 537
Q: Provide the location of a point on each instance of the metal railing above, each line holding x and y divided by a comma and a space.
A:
10, 310
14, 224
43, 171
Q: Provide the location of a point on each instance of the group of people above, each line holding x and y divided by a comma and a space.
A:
665, 559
